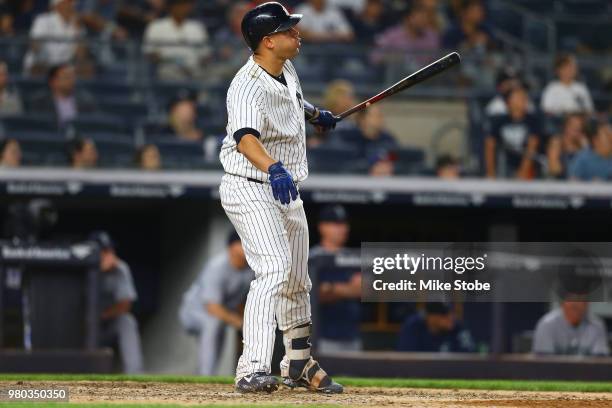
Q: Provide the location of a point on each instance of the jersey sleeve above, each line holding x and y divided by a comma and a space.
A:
212, 287
600, 346
125, 289
543, 339
245, 111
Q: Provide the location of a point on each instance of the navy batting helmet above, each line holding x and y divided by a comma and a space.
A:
266, 19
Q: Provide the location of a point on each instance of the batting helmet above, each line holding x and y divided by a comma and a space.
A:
266, 19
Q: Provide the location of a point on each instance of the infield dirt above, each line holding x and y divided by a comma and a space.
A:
223, 394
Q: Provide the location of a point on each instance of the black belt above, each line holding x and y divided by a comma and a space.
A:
261, 182
255, 180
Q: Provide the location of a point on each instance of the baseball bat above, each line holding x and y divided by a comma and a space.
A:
419, 76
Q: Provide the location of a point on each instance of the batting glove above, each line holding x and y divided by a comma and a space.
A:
283, 187
324, 119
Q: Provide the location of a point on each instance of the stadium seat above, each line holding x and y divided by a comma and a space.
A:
29, 123
114, 150
336, 159
130, 112
410, 161
180, 154
98, 123
40, 148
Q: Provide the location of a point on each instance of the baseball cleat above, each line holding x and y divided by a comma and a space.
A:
332, 388
314, 378
257, 382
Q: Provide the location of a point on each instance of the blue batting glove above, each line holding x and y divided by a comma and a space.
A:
325, 120
283, 187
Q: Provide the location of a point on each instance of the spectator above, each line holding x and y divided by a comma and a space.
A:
339, 289
435, 14
62, 99
117, 294
323, 23
447, 167
512, 144
594, 163
82, 153
507, 80
563, 148
566, 94
10, 153
571, 330
471, 32
176, 43
10, 101
17, 16
381, 164
55, 37
135, 15
368, 23
210, 303
353, 6
413, 37
370, 135
436, 331
99, 17
231, 52
148, 158
183, 118
339, 96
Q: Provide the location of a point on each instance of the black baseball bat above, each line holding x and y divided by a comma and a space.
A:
419, 76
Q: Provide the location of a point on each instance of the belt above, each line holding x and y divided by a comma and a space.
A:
252, 180
261, 182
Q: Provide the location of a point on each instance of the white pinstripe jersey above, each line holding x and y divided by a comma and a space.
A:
257, 101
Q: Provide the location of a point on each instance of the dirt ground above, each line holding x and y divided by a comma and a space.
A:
188, 394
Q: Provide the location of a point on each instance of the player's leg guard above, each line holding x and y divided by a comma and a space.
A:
297, 350
301, 369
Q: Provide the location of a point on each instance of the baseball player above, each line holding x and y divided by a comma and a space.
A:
211, 301
117, 293
264, 157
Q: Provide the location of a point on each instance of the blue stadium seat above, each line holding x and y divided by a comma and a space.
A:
114, 150
180, 154
99, 123
130, 112
336, 159
40, 148
28, 86
409, 161
29, 123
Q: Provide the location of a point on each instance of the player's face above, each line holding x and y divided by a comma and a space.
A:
286, 43
574, 311
336, 232
108, 260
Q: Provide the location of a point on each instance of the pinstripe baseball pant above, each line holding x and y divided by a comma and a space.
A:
275, 241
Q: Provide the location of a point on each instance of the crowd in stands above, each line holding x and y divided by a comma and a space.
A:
71, 82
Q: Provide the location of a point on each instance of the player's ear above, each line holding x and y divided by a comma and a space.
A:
268, 42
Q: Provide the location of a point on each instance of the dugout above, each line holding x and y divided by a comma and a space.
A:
167, 224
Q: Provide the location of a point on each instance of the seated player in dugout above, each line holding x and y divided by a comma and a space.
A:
571, 330
339, 288
211, 302
435, 330
117, 294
